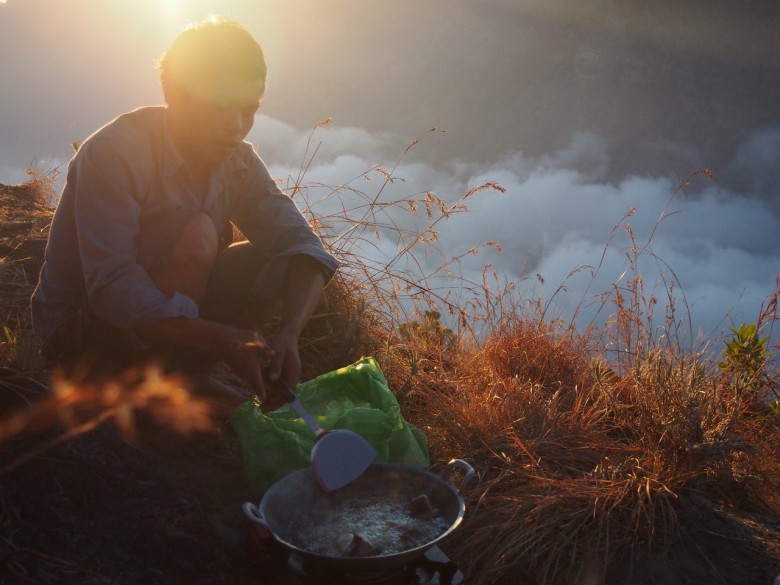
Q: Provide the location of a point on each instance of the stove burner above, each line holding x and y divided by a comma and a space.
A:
433, 568
277, 566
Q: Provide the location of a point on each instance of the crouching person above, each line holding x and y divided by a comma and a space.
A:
139, 263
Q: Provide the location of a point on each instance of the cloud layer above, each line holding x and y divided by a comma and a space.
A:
560, 222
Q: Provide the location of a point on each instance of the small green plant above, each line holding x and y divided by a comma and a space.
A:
745, 356
7, 343
429, 331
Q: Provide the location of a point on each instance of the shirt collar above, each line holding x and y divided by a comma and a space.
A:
233, 165
173, 161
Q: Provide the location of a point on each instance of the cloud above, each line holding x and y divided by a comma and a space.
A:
756, 165
562, 227
718, 247
285, 144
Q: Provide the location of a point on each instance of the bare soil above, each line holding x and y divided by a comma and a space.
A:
100, 510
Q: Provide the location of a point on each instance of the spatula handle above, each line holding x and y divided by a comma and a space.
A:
289, 395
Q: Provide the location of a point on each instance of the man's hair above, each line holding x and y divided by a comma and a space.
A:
208, 53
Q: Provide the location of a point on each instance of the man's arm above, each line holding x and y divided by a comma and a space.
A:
303, 289
273, 224
243, 350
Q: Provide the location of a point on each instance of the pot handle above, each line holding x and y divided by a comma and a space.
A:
254, 514
458, 467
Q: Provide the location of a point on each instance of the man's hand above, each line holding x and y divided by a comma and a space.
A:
303, 289
245, 351
286, 362
247, 354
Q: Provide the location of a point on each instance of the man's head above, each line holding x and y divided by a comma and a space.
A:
217, 60
213, 78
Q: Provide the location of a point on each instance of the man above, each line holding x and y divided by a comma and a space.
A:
136, 263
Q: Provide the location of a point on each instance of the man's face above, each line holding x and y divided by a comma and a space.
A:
211, 125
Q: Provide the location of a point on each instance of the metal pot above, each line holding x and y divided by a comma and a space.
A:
298, 493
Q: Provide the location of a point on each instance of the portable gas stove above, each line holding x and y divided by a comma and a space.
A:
275, 565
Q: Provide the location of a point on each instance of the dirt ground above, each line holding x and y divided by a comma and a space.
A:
100, 510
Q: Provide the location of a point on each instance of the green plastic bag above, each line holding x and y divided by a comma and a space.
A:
355, 397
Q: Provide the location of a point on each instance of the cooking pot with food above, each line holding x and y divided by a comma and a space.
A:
390, 515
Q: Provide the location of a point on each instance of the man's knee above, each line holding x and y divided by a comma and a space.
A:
192, 259
197, 245
230, 287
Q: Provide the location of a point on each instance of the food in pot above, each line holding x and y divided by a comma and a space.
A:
421, 507
366, 526
352, 544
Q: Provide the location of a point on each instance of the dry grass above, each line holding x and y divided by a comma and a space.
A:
589, 469
25, 214
581, 467
591, 463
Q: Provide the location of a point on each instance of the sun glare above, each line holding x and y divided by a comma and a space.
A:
171, 9
171, 5
173, 16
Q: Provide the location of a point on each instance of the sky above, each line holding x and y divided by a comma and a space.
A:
585, 112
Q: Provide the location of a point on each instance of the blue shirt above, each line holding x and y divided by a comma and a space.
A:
127, 189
